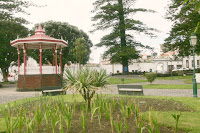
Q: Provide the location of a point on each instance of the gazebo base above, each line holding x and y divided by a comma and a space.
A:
39, 82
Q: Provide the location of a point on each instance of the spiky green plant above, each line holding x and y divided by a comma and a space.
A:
86, 82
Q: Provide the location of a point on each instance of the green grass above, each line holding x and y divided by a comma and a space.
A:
169, 86
126, 81
175, 77
189, 121
188, 79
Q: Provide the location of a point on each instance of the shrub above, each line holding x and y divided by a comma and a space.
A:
151, 76
163, 75
180, 73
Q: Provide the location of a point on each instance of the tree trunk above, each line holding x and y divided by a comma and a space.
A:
5, 74
125, 66
122, 28
80, 63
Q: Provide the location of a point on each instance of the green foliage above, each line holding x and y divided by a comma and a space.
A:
118, 124
117, 16
68, 33
58, 104
151, 76
86, 82
176, 118
9, 31
180, 73
10, 7
79, 50
182, 26
11, 28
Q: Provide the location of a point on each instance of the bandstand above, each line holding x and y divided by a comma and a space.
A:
40, 77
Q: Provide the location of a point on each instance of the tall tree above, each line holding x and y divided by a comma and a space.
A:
117, 16
80, 51
9, 31
10, 28
68, 33
185, 19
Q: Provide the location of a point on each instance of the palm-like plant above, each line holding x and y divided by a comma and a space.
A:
86, 82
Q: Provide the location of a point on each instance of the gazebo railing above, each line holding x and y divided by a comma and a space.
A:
36, 70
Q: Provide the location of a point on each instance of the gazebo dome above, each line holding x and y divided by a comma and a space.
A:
34, 42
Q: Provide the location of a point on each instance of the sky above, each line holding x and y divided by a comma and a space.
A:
78, 13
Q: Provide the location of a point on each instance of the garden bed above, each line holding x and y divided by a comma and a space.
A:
106, 114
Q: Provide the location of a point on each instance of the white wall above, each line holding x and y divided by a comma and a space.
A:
190, 58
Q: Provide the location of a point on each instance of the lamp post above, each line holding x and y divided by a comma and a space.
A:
193, 42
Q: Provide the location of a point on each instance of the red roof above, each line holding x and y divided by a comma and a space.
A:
33, 42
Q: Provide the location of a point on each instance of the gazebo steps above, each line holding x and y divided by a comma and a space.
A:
53, 92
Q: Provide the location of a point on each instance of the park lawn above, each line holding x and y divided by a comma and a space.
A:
169, 86
175, 77
126, 81
189, 121
188, 78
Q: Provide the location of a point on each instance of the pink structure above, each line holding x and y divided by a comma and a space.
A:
39, 41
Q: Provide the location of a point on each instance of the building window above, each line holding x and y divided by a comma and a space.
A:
197, 63
179, 66
187, 63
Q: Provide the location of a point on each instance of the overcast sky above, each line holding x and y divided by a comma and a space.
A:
78, 13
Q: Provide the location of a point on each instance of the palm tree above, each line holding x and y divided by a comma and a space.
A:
86, 82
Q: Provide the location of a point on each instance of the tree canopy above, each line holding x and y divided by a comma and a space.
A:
68, 33
9, 31
11, 27
185, 19
10, 7
80, 52
117, 16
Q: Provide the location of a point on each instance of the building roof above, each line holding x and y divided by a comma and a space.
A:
34, 42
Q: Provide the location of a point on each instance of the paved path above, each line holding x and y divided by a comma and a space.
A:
8, 92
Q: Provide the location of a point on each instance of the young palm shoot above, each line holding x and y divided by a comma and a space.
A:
61, 123
118, 124
21, 119
68, 113
47, 116
83, 120
93, 110
54, 120
152, 122
176, 118
39, 115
